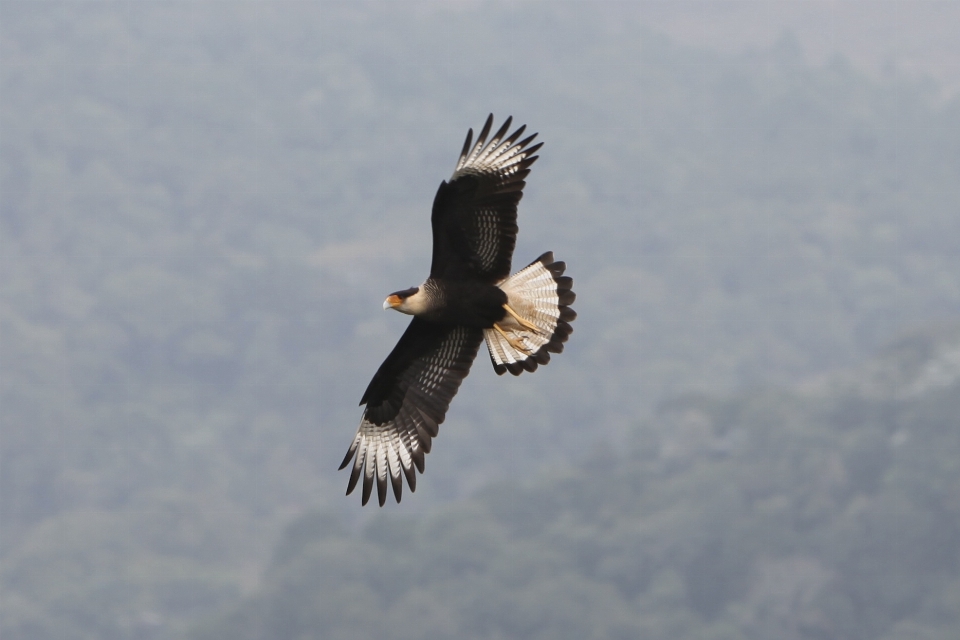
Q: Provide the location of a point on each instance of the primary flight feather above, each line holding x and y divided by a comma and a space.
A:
469, 297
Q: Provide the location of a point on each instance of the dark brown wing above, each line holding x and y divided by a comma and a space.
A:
475, 213
406, 401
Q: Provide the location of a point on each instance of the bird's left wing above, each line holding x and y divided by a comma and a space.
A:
475, 213
406, 401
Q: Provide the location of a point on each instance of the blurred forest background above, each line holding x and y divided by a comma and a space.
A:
753, 432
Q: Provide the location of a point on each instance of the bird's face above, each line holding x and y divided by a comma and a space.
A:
403, 301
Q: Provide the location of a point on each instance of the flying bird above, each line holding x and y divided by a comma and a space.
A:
469, 297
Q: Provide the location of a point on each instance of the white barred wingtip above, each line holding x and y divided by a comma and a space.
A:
500, 154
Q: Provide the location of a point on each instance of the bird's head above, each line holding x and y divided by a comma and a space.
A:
406, 301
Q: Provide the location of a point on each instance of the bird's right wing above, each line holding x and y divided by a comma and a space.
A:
406, 401
475, 214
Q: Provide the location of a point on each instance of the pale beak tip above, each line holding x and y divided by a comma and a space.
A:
393, 301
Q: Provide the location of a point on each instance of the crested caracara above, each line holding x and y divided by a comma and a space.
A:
468, 297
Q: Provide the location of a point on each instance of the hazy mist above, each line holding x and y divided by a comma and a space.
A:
753, 424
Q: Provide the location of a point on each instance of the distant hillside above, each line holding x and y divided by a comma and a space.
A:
204, 204
774, 514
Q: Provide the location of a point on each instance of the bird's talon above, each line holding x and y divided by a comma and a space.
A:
526, 324
515, 343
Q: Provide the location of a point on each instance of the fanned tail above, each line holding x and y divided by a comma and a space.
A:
542, 295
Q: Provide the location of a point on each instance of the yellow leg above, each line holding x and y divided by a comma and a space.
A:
526, 324
516, 344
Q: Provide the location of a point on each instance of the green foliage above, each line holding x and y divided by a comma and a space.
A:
761, 515
202, 204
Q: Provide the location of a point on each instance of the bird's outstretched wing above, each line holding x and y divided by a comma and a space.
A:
406, 401
475, 213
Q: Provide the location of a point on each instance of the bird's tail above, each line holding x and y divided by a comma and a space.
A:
541, 295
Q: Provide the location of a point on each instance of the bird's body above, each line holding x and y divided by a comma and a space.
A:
468, 297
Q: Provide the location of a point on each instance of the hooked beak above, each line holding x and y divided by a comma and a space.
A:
392, 302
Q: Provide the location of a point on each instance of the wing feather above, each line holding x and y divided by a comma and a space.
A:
406, 402
475, 213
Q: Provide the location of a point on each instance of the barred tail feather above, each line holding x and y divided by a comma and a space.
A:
541, 294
